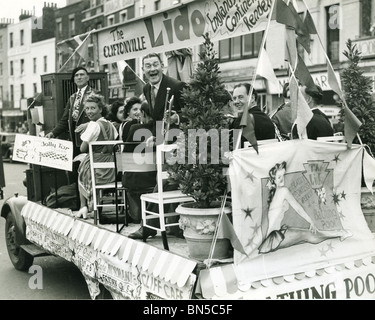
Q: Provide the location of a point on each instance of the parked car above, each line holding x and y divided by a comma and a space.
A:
7, 144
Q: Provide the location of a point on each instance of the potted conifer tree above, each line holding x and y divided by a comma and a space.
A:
201, 160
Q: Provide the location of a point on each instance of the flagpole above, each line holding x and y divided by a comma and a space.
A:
75, 51
246, 109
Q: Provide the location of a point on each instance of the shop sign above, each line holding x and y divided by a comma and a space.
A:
365, 46
320, 79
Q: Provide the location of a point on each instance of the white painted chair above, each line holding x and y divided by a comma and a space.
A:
161, 198
99, 191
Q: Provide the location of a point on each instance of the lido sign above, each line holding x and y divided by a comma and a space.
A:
182, 27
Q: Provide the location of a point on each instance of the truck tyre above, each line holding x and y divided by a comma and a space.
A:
20, 259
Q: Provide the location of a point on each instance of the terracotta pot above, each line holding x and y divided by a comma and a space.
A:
199, 226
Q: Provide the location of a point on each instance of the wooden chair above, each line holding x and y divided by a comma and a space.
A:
99, 190
161, 198
131, 162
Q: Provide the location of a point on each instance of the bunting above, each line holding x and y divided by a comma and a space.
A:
266, 71
300, 108
77, 44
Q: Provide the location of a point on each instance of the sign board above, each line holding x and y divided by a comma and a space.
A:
296, 207
52, 153
182, 27
366, 46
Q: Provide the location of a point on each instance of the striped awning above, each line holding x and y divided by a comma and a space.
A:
222, 282
160, 263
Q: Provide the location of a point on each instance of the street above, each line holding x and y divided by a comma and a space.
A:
60, 279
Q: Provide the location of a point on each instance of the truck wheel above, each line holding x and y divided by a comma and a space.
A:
20, 259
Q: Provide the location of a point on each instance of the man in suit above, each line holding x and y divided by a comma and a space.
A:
263, 126
74, 114
155, 92
319, 125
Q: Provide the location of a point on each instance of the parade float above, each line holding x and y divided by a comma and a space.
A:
298, 229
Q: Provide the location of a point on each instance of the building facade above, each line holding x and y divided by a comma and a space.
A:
336, 21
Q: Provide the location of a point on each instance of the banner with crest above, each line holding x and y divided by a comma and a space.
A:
296, 207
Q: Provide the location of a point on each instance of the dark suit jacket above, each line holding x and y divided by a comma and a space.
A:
176, 90
67, 123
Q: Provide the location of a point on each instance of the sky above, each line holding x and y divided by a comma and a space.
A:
12, 8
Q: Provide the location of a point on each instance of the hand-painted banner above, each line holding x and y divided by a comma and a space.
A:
182, 27
296, 207
52, 153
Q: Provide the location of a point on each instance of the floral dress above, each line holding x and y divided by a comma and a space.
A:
100, 130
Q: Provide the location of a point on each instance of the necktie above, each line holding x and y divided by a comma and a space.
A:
77, 103
152, 98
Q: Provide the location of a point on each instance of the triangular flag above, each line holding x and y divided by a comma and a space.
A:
284, 15
332, 80
227, 232
309, 23
266, 71
304, 76
248, 129
303, 111
351, 125
291, 47
121, 65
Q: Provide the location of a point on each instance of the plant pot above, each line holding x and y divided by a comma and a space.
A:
199, 226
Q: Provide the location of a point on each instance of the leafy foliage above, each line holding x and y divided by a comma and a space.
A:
357, 89
198, 167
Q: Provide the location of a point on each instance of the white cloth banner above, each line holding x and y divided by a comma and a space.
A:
296, 207
54, 153
182, 27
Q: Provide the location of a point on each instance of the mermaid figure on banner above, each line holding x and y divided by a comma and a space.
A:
278, 235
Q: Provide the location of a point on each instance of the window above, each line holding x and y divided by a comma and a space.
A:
1, 42
59, 27
365, 18
1, 68
11, 39
34, 65
1, 92
11, 68
22, 91
110, 20
45, 64
123, 15
35, 87
157, 5
72, 25
22, 40
22, 66
240, 47
333, 32
11, 93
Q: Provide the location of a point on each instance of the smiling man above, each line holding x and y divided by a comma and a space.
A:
155, 90
73, 115
263, 126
